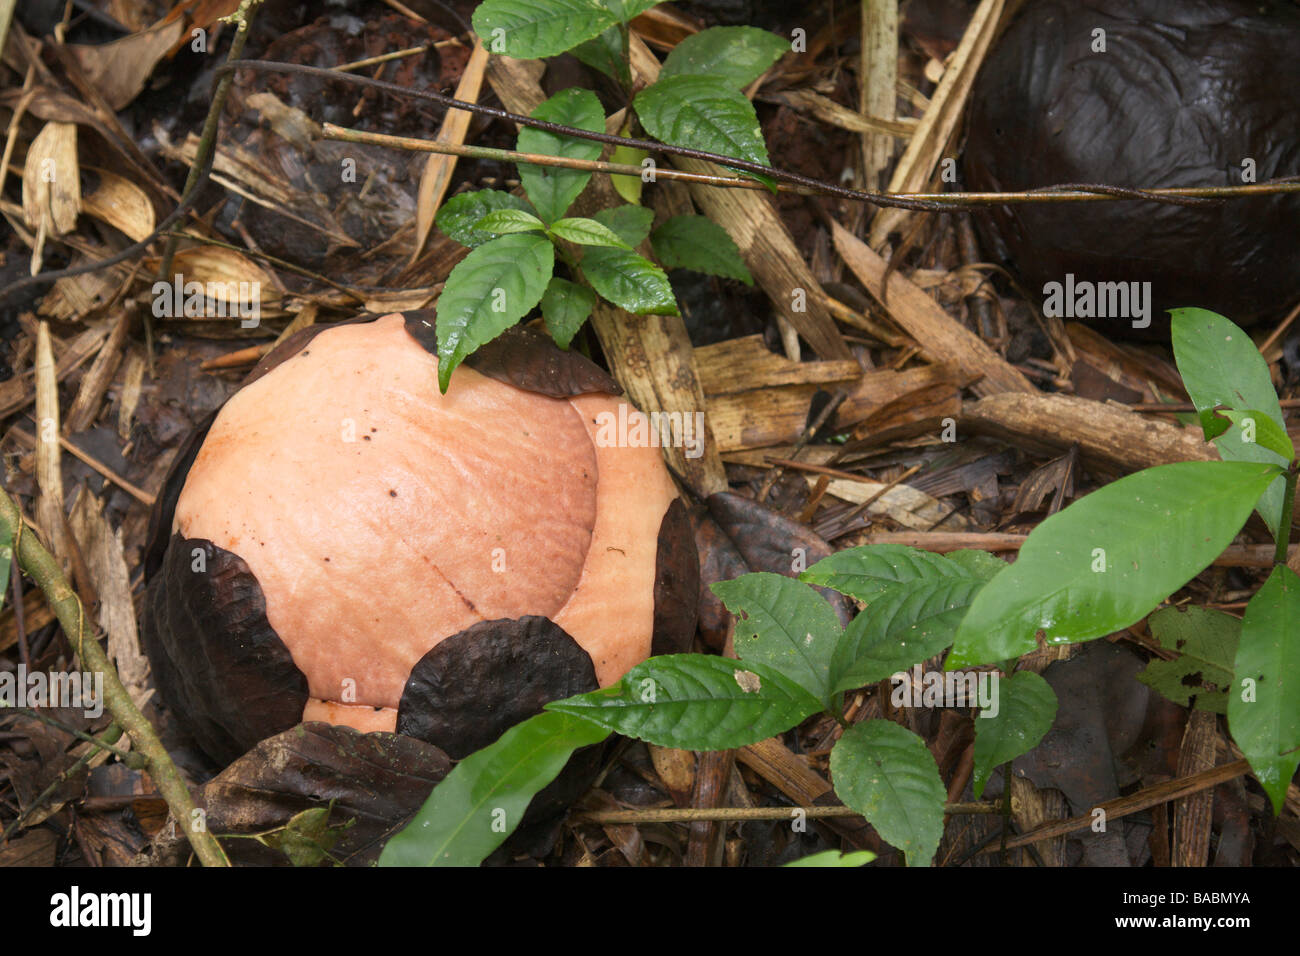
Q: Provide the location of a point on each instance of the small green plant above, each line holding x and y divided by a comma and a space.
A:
696, 103
1098, 566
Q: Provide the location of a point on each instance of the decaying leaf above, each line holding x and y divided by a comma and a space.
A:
120, 203
119, 69
52, 180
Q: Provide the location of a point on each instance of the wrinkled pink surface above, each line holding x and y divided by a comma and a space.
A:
431, 512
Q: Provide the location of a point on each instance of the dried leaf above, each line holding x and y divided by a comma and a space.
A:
52, 180
120, 203
119, 69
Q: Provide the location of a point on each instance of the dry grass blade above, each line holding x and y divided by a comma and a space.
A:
85, 407
944, 338
927, 146
49, 469
439, 167
1193, 814
877, 80
106, 565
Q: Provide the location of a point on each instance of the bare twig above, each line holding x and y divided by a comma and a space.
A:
725, 814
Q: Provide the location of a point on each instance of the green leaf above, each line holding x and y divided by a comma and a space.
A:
979, 564
631, 223
476, 806
588, 232
736, 55
490, 290
703, 112
307, 838
696, 702
503, 222
1264, 706
1025, 709
835, 858
6, 559
866, 571
1220, 365
699, 243
1206, 641
629, 187
553, 189
627, 10
1109, 558
1261, 429
566, 306
536, 28
888, 775
459, 215
785, 625
904, 625
630, 281
605, 53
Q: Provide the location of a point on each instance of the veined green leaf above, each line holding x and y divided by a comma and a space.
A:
630, 281
1026, 707
490, 290
866, 571
605, 53
588, 232
738, 55
703, 112
552, 189
538, 28
480, 803
504, 222
696, 702
1220, 365
699, 243
888, 775
1206, 641
627, 10
785, 625
565, 307
1109, 558
904, 625
1259, 428
1264, 704
631, 223
460, 214
979, 564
